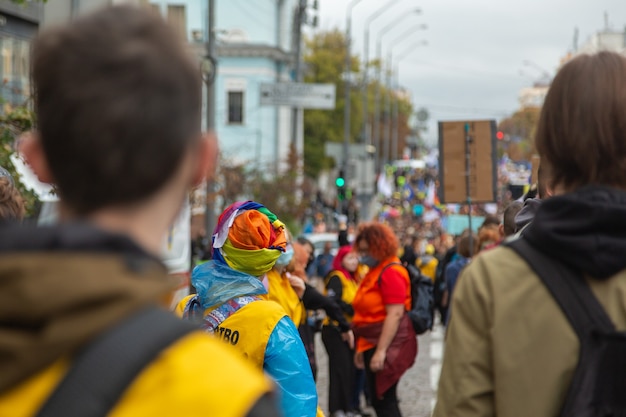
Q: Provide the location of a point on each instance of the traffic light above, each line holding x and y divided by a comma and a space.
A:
499, 135
340, 182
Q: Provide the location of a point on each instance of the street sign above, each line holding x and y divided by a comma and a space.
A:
355, 150
303, 95
361, 168
482, 161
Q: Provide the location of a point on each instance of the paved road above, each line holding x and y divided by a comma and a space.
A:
417, 387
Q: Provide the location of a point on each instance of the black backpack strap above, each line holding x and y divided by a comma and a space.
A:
598, 381
380, 277
569, 289
106, 367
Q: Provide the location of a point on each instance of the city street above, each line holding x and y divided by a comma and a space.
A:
417, 387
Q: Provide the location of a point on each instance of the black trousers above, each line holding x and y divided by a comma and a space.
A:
387, 406
307, 334
341, 370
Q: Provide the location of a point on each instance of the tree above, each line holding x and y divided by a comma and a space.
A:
519, 129
13, 122
325, 60
285, 194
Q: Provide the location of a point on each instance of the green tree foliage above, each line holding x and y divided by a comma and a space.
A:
520, 129
13, 122
285, 194
324, 61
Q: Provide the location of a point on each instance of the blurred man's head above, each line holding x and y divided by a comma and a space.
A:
508, 223
118, 108
327, 247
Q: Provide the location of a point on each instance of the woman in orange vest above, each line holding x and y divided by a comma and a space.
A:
386, 343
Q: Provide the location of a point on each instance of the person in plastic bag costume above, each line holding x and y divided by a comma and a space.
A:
247, 242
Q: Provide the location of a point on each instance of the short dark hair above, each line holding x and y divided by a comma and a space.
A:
581, 135
490, 220
509, 217
118, 102
468, 245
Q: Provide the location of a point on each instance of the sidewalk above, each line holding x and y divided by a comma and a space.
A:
417, 388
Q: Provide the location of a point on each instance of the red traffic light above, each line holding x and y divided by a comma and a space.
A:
500, 135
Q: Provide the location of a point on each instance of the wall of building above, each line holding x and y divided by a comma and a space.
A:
607, 40
264, 30
18, 26
253, 140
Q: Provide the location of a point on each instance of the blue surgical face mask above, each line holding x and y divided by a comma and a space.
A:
368, 260
285, 257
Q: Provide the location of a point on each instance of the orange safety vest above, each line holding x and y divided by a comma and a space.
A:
368, 303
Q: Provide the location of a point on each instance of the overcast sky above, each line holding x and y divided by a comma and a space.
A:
473, 66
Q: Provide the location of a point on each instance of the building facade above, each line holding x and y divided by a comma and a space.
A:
18, 26
605, 40
254, 46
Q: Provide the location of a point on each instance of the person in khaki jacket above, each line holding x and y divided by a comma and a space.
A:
510, 350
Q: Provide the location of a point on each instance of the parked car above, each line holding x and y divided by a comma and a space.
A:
320, 239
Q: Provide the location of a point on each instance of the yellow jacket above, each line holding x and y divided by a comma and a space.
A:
428, 266
280, 290
244, 330
197, 375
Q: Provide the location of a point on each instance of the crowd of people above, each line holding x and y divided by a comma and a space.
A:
84, 321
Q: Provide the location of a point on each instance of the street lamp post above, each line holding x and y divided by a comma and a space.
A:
366, 138
347, 72
383, 31
210, 114
394, 117
392, 128
544, 73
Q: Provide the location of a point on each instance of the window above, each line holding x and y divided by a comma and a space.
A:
235, 107
177, 19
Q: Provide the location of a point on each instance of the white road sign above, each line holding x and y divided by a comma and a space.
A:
304, 95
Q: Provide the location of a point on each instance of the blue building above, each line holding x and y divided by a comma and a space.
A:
254, 42
256, 48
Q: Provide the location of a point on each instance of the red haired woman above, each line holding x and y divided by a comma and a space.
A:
386, 343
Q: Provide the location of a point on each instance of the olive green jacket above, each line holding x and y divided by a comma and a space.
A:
510, 351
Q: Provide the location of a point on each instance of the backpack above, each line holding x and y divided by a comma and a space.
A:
599, 382
422, 298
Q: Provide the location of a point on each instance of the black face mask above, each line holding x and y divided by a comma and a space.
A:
368, 260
